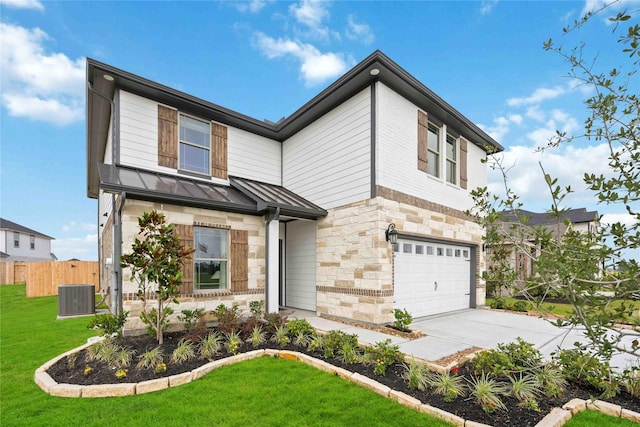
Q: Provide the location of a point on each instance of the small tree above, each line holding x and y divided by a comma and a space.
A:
570, 264
155, 263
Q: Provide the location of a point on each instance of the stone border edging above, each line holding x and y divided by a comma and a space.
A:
556, 418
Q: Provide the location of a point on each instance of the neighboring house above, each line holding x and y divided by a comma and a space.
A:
577, 219
294, 213
19, 243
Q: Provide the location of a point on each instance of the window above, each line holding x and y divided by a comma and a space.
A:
406, 248
429, 250
16, 239
449, 252
32, 242
195, 145
465, 253
433, 153
210, 258
452, 159
457, 253
419, 249
440, 251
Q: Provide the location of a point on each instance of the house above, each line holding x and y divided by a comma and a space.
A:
576, 219
295, 213
19, 243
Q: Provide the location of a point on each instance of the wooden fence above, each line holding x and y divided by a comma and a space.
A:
43, 278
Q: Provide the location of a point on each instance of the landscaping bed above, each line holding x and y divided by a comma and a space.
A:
74, 370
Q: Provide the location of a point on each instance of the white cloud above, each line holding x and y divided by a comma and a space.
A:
78, 226
84, 248
312, 14
36, 84
560, 120
487, 6
622, 218
534, 112
538, 95
358, 31
22, 4
315, 67
501, 126
253, 6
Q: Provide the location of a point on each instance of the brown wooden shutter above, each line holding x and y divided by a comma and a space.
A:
239, 260
463, 163
167, 137
423, 135
218, 151
185, 234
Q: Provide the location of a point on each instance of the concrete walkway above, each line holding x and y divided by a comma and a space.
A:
450, 333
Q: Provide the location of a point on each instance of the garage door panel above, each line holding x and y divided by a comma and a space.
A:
431, 278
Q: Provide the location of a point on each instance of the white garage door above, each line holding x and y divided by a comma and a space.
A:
431, 278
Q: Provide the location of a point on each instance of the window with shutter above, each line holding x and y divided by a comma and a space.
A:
463, 163
167, 137
423, 123
185, 234
239, 260
210, 259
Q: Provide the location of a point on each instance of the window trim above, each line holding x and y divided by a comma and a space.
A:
32, 242
16, 239
454, 161
208, 149
438, 159
227, 260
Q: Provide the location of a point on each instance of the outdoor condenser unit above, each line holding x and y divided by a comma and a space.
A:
76, 300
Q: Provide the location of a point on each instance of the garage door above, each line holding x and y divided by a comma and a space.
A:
431, 278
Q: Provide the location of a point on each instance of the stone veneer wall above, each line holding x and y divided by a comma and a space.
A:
355, 263
187, 215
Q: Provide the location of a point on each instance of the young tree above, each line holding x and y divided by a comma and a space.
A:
572, 265
155, 263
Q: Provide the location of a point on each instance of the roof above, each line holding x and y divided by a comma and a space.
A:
575, 216
243, 196
100, 93
5, 224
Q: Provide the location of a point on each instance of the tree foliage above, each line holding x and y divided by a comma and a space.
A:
588, 269
155, 263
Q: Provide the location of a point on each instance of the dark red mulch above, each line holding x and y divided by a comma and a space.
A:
462, 407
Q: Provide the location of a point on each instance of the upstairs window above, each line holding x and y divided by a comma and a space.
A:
195, 145
452, 159
16, 239
32, 242
433, 153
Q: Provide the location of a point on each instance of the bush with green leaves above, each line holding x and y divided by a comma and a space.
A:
527, 389
233, 342
402, 319
228, 318
256, 308
297, 326
257, 337
349, 353
551, 379
583, 366
281, 336
192, 319
109, 325
184, 351
415, 374
334, 340
210, 345
150, 359
381, 355
507, 358
275, 320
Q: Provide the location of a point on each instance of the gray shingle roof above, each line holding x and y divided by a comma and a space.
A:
5, 224
575, 216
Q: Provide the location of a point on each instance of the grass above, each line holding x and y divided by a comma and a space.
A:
564, 310
596, 419
265, 391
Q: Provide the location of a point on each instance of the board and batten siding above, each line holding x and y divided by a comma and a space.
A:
249, 156
329, 161
397, 159
300, 271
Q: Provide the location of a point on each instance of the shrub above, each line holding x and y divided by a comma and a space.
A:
403, 319
281, 336
631, 381
233, 342
297, 326
192, 319
521, 306
526, 388
487, 391
301, 339
446, 385
506, 358
122, 357
348, 353
228, 318
415, 373
258, 336
256, 308
381, 355
185, 351
316, 342
334, 340
581, 366
150, 358
210, 345
109, 325
551, 379
275, 320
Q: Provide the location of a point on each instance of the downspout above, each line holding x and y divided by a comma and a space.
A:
117, 252
273, 215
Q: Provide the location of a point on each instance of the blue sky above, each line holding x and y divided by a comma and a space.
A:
266, 59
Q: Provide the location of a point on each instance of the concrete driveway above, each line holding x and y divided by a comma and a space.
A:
456, 331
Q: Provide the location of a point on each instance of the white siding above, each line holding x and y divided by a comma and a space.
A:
301, 265
249, 156
254, 157
397, 155
42, 251
3, 241
329, 162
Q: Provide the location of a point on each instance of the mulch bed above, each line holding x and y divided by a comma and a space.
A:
62, 372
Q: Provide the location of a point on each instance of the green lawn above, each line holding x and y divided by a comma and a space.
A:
596, 419
265, 391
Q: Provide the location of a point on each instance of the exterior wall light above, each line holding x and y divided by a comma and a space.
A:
391, 234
